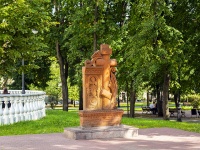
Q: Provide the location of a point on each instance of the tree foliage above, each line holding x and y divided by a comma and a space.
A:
156, 42
20, 20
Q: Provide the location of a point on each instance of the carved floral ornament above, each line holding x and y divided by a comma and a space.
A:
99, 81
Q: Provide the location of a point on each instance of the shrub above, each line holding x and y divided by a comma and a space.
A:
53, 100
195, 100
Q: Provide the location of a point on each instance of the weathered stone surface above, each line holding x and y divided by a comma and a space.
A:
100, 91
100, 118
99, 82
96, 118
121, 131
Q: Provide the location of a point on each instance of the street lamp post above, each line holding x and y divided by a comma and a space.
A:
23, 88
179, 115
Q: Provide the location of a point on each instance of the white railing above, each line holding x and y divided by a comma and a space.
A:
16, 107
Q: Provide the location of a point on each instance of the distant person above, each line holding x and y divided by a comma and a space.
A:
153, 107
5, 91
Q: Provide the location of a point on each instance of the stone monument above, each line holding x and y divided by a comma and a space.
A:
100, 90
100, 117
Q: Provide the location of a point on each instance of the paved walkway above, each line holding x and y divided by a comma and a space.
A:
148, 139
186, 118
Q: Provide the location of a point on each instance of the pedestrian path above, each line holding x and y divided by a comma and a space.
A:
186, 118
148, 139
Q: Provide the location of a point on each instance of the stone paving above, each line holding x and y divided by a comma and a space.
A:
148, 139
186, 118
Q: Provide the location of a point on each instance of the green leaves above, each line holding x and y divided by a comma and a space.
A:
145, 35
18, 41
152, 43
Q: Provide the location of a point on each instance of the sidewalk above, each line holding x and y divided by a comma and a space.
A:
186, 118
148, 139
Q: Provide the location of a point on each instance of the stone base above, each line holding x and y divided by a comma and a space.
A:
99, 118
121, 131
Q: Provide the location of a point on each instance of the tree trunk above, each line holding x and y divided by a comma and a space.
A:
176, 99
132, 100
62, 63
81, 98
147, 97
118, 101
63, 76
128, 112
178, 93
127, 91
159, 101
165, 96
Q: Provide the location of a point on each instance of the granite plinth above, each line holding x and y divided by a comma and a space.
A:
106, 132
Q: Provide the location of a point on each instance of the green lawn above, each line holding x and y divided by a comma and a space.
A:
138, 106
153, 123
57, 120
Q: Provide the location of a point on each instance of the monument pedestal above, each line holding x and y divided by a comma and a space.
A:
81, 133
96, 124
98, 118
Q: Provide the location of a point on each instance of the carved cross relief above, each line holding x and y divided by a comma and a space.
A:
99, 81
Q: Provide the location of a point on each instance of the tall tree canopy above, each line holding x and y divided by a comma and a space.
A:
153, 46
22, 26
156, 42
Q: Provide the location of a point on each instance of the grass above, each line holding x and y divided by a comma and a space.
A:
123, 105
154, 123
138, 106
56, 120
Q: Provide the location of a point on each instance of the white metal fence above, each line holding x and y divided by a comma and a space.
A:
16, 107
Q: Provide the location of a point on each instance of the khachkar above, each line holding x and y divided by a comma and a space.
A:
100, 91
100, 118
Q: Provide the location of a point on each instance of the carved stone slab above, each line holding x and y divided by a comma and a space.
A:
100, 118
99, 81
92, 81
100, 91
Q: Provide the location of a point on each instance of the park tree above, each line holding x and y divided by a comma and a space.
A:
68, 49
60, 11
186, 20
81, 27
37, 77
23, 24
53, 85
146, 43
153, 46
